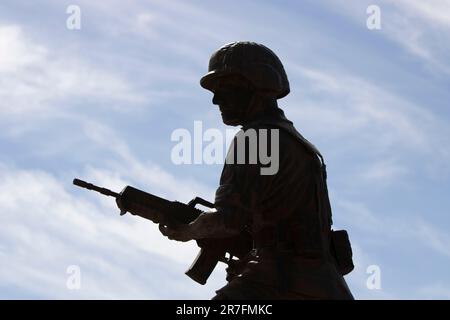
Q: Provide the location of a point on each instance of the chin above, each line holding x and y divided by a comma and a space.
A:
231, 122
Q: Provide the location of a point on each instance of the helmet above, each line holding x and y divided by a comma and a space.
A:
257, 63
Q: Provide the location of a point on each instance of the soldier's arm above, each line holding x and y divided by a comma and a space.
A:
241, 186
207, 225
215, 225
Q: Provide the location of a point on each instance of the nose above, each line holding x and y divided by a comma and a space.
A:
217, 98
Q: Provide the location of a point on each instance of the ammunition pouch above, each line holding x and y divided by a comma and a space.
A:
341, 250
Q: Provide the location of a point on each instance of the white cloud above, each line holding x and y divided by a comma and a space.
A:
120, 257
35, 79
434, 238
373, 232
148, 174
433, 12
15, 54
48, 227
383, 227
384, 172
357, 279
426, 39
354, 116
45, 228
419, 27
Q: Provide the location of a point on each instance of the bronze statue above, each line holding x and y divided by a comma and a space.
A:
287, 215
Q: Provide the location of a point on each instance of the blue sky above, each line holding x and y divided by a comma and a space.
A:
100, 103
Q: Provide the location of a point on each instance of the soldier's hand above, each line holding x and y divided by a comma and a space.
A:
180, 232
235, 268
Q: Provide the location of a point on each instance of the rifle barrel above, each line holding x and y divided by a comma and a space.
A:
90, 186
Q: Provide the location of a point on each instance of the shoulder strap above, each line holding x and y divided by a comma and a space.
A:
283, 123
288, 126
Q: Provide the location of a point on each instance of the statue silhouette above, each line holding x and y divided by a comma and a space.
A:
294, 253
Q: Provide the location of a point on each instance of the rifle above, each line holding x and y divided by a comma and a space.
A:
171, 213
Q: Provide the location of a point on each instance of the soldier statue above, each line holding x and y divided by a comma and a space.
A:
286, 214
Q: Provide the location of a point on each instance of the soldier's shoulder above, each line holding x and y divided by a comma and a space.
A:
288, 142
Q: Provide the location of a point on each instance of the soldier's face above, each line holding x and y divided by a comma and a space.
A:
233, 96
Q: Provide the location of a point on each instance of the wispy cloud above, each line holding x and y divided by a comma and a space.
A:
63, 97
432, 12
36, 80
146, 174
384, 171
386, 226
421, 28
357, 279
45, 228
361, 117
